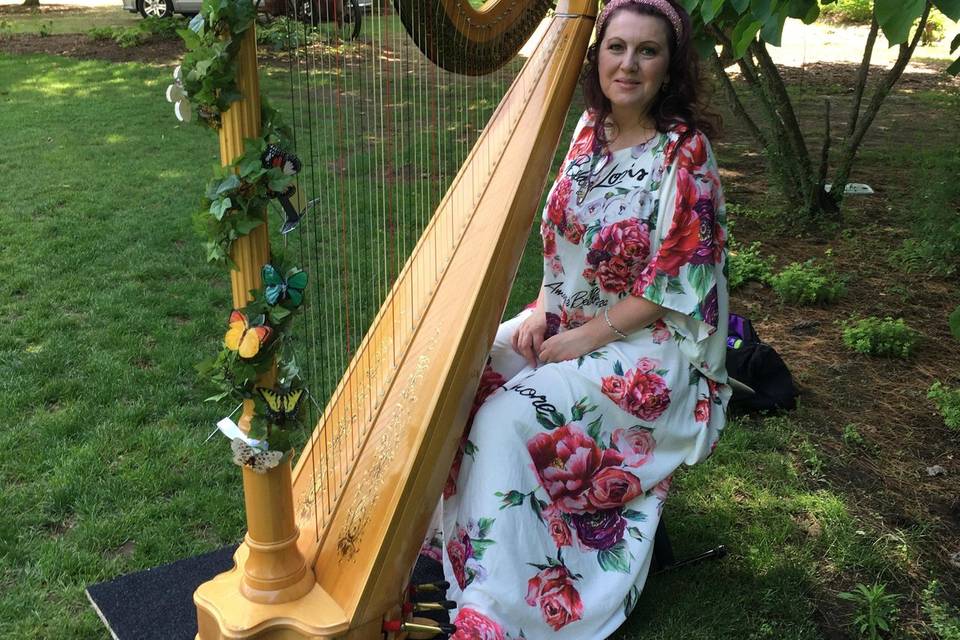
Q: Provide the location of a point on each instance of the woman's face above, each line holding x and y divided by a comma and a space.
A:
633, 62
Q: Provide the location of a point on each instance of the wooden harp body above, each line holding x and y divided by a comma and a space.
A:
331, 542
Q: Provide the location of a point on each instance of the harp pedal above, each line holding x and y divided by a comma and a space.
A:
417, 607
429, 587
419, 628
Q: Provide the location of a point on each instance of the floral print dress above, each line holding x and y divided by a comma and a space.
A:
547, 522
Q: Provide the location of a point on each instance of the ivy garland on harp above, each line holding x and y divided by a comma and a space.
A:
205, 86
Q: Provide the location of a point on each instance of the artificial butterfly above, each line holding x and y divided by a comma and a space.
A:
178, 96
243, 338
256, 459
276, 158
277, 288
281, 405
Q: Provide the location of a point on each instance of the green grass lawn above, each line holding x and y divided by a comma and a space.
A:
107, 306
67, 21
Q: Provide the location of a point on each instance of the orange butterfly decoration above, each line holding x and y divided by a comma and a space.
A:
243, 338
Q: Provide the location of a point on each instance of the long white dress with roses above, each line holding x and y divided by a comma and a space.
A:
547, 522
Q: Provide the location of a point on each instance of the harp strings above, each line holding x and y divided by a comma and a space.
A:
381, 133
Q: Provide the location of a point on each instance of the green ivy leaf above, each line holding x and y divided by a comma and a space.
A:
247, 224
219, 207
229, 183
740, 5
743, 34
616, 558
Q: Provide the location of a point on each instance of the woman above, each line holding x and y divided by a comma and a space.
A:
616, 376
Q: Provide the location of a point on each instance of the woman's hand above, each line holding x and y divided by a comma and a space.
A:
568, 345
528, 337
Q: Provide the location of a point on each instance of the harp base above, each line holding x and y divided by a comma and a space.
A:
224, 613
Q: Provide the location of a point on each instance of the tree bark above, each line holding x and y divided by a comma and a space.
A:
780, 159
853, 142
862, 74
31, 3
736, 105
770, 77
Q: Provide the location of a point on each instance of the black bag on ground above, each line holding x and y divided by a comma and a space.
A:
758, 366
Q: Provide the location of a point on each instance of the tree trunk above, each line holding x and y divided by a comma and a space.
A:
853, 142
31, 3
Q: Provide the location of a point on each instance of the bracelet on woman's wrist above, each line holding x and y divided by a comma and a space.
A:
606, 316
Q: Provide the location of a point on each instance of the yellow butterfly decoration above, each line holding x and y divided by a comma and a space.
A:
256, 459
243, 338
281, 405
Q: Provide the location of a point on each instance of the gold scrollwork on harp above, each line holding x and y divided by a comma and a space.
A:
385, 450
373, 380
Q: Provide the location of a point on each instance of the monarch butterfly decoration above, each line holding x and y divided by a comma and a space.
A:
282, 406
277, 288
257, 459
276, 158
246, 340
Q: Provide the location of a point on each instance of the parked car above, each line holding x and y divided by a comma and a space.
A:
162, 8
324, 10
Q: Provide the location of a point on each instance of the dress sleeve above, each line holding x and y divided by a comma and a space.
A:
686, 272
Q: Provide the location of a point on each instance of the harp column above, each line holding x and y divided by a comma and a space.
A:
274, 571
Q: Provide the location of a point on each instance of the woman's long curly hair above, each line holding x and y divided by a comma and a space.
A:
682, 99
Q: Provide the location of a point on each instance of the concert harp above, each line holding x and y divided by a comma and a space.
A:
331, 542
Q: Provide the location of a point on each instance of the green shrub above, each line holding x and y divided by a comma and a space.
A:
99, 34
875, 337
164, 27
851, 435
875, 609
45, 29
745, 264
127, 38
146, 29
944, 619
948, 403
807, 283
935, 243
935, 28
285, 34
848, 11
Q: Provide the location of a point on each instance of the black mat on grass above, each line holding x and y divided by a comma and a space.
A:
157, 604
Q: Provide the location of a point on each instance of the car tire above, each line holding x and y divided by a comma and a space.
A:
155, 8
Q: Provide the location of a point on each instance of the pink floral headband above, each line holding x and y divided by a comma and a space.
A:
664, 7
